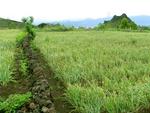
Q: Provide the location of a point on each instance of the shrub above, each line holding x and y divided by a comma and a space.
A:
20, 38
14, 101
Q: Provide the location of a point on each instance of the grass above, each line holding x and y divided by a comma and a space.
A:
104, 72
7, 46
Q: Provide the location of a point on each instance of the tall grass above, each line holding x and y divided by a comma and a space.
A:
7, 45
116, 62
86, 100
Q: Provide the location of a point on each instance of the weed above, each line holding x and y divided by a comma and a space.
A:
13, 102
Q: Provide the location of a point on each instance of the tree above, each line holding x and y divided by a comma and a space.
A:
124, 24
100, 27
29, 28
133, 26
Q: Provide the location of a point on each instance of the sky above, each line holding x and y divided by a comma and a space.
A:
56, 10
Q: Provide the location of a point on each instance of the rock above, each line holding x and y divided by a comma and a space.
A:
32, 106
45, 109
38, 70
49, 103
42, 102
52, 110
35, 111
36, 88
44, 81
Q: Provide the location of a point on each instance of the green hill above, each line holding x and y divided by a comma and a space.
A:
54, 27
119, 22
7, 23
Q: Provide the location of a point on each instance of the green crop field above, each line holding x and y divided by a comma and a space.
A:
7, 45
74, 56
104, 72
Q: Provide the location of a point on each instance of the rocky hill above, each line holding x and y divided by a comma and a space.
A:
120, 22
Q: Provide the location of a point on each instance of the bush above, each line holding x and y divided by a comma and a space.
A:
20, 38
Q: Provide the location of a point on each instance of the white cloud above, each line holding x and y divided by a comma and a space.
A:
71, 9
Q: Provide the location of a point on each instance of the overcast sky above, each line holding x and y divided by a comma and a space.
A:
55, 10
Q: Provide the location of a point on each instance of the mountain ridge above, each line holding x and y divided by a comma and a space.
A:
142, 20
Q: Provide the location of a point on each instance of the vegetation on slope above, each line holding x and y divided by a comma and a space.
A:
54, 27
11, 24
118, 22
